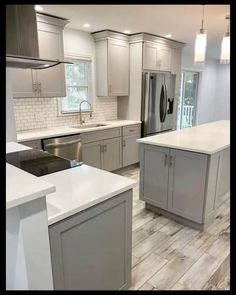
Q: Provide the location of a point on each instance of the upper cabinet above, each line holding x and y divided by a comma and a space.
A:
112, 63
156, 57
49, 82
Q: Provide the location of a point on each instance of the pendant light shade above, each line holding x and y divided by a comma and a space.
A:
225, 47
200, 44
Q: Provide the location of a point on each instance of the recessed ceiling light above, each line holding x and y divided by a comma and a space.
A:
127, 31
38, 8
168, 36
86, 25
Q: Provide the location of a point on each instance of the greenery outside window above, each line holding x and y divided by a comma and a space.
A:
77, 78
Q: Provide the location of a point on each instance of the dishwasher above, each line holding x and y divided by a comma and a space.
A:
67, 147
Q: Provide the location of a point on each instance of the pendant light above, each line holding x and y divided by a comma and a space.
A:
225, 46
200, 43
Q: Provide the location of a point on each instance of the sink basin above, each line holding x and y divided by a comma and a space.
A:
88, 126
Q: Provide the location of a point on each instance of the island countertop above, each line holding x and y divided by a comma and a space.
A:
207, 138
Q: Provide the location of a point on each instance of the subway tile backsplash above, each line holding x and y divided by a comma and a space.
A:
36, 113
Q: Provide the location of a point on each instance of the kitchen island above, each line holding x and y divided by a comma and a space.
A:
87, 223
184, 173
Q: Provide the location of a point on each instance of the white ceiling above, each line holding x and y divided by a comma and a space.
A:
182, 21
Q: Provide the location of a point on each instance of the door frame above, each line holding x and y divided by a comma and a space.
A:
199, 71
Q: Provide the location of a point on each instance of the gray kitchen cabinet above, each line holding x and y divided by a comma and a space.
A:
186, 190
51, 82
154, 175
112, 154
105, 154
183, 185
156, 57
92, 154
91, 250
23, 82
175, 66
112, 63
45, 82
130, 149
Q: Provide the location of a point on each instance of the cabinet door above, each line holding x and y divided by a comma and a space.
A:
91, 154
163, 58
51, 81
91, 250
23, 82
118, 68
154, 175
175, 61
149, 56
187, 175
130, 149
112, 154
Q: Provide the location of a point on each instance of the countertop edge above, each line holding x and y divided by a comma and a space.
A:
141, 141
75, 131
69, 213
30, 197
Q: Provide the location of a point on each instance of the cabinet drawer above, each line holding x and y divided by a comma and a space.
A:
100, 135
132, 129
35, 144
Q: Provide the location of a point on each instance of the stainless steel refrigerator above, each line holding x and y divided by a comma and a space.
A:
158, 94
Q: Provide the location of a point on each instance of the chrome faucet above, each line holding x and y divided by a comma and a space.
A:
80, 112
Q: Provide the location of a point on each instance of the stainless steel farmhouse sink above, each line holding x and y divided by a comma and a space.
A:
85, 126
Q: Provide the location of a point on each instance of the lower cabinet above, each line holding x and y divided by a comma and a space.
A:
174, 180
92, 154
91, 250
130, 149
154, 176
104, 154
187, 180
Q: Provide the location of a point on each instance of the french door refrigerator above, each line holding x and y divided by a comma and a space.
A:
158, 95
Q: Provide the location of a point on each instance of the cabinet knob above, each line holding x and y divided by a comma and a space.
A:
171, 161
166, 160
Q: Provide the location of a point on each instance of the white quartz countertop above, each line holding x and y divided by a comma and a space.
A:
81, 187
12, 147
63, 130
22, 187
207, 138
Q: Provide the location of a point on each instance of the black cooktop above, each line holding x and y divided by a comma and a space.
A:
39, 163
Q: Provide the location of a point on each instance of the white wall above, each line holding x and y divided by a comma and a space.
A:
10, 118
213, 92
222, 93
206, 89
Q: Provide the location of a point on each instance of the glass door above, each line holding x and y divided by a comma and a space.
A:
187, 102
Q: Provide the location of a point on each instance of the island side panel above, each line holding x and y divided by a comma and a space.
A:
91, 250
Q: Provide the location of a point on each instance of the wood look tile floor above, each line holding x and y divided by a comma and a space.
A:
169, 256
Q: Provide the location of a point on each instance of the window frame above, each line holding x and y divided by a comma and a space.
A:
76, 58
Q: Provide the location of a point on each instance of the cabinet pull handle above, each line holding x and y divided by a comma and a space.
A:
124, 143
171, 161
166, 160
105, 148
35, 87
39, 89
102, 148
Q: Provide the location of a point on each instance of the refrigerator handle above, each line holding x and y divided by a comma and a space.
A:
164, 103
161, 107
146, 97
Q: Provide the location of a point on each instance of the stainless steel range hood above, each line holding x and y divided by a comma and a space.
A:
22, 49
25, 62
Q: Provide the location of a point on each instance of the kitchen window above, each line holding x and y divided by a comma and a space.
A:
78, 81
